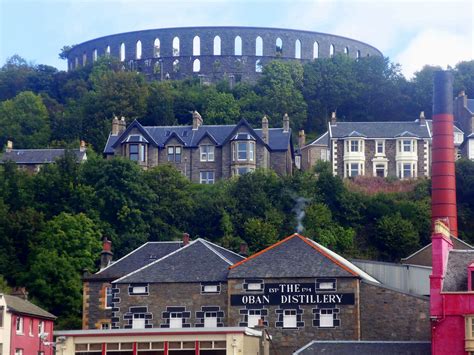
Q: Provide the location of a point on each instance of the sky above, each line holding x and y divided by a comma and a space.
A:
412, 33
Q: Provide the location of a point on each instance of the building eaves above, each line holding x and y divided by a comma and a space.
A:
21, 306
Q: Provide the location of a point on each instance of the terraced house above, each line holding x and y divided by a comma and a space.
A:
205, 153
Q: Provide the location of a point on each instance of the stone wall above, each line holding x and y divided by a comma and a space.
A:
93, 309
214, 66
387, 314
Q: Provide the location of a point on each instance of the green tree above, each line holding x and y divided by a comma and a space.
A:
220, 108
24, 119
260, 234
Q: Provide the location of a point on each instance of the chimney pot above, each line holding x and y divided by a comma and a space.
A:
9, 146
106, 253
286, 123
186, 239
197, 120
20, 292
265, 136
243, 249
301, 139
333, 119
422, 118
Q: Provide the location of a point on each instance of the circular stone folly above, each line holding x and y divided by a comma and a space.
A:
213, 53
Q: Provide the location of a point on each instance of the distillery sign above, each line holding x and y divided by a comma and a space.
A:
297, 294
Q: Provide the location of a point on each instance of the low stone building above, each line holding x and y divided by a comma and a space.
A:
205, 153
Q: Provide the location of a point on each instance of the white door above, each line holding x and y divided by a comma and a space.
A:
326, 318
175, 320
289, 318
210, 320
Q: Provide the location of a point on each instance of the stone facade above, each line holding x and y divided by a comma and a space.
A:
94, 312
387, 314
213, 66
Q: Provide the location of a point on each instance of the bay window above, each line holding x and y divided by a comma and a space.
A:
243, 151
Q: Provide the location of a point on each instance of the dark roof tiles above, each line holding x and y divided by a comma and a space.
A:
470, 105
455, 279
380, 129
19, 305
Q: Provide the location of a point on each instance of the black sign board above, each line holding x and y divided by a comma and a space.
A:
287, 294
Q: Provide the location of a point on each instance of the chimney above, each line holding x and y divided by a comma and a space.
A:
443, 180
197, 120
286, 123
244, 249
186, 239
265, 136
106, 253
122, 125
9, 146
422, 118
115, 126
333, 119
82, 147
20, 292
301, 139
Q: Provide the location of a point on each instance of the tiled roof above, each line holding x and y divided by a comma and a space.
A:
430, 126
296, 256
350, 347
321, 140
456, 270
379, 129
38, 156
278, 140
144, 255
356, 134
19, 305
470, 105
198, 261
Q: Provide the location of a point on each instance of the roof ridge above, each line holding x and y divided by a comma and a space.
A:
215, 251
123, 257
156, 261
221, 247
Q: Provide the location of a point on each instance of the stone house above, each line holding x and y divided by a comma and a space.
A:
464, 117
384, 149
297, 289
205, 153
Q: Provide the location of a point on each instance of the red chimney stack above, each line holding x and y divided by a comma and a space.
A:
186, 239
443, 179
106, 253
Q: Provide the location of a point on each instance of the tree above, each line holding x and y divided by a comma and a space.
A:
160, 105
24, 120
260, 234
220, 108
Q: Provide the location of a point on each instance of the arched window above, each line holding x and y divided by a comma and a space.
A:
176, 66
315, 50
196, 46
259, 46
331, 50
279, 47
346, 51
196, 66
107, 50
122, 52
176, 47
358, 54
258, 66
138, 53
298, 49
156, 48
84, 58
94, 55
76, 62
217, 45
238, 46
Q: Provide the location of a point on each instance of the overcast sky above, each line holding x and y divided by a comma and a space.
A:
410, 32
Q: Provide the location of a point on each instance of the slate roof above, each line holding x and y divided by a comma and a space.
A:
470, 105
143, 255
220, 134
350, 347
321, 140
199, 261
296, 256
455, 279
379, 129
38, 156
21, 306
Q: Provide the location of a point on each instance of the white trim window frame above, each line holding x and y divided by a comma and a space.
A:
253, 317
108, 298
210, 319
326, 318
206, 153
19, 325
206, 177
379, 147
289, 318
138, 321
176, 320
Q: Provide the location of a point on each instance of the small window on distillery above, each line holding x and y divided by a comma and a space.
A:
210, 288
138, 290
326, 284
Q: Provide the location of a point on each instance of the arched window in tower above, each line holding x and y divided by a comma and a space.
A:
346, 51
258, 66
156, 48
278, 47
331, 50
259, 46
138, 53
176, 47
176, 66
358, 54
107, 50
122, 52
84, 58
196, 46
298, 49
315, 50
196, 66
217, 45
94, 55
238, 46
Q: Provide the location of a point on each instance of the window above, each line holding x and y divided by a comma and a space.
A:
138, 50
196, 66
217, 45
206, 177
1, 316
31, 328
133, 152
346, 51
354, 146
138, 290
174, 154
259, 46
254, 286
326, 284
176, 320
94, 55
40, 328
196, 46
278, 47
138, 321
156, 48
258, 66
407, 146
331, 50
238, 46
380, 170
107, 50
122, 52
379, 147
326, 318
18, 351
207, 152
407, 173
176, 66
315, 50
298, 49
210, 288
245, 151
19, 325
254, 315
108, 297
353, 169
175, 47
406, 170
289, 318
105, 326
210, 320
